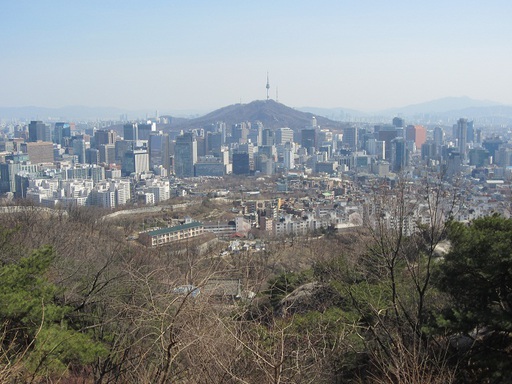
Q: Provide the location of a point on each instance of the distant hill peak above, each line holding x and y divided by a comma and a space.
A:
270, 113
444, 104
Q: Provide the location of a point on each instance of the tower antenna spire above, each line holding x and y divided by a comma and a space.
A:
268, 87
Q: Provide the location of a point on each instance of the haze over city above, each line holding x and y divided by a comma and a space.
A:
199, 55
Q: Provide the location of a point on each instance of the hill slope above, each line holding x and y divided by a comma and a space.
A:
271, 113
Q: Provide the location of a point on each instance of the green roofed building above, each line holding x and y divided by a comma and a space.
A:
171, 234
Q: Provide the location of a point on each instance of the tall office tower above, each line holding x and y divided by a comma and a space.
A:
462, 137
478, 136
256, 133
247, 148
135, 161
222, 128
387, 134
479, 157
39, 131
160, 151
324, 137
438, 136
123, 146
201, 145
398, 122
131, 132
185, 155
104, 137
79, 148
264, 164
429, 150
376, 147
269, 150
239, 133
144, 130
268, 137
289, 157
504, 155
351, 137
92, 156
60, 131
471, 132
399, 154
308, 139
213, 143
492, 144
107, 153
241, 163
416, 133
284, 135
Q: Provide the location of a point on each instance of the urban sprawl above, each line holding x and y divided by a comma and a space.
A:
278, 182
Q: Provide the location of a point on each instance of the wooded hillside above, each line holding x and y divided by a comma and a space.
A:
81, 304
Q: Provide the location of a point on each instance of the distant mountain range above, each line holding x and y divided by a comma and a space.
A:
442, 110
81, 113
273, 114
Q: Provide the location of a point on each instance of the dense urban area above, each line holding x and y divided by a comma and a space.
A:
220, 251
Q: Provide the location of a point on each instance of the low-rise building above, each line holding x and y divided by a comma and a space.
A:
171, 234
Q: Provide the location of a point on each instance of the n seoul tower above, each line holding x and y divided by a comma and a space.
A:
268, 87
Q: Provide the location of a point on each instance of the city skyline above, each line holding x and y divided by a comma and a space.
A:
203, 55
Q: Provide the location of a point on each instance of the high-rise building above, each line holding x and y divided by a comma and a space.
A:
416, 133
284, 135
61, 131
398, 122
39, 131
92, 156
471, 132
103, 137
399, 154
429, 150
135, 161
387, 134
185, 155
376, 147
492, 144
289, 157
213, 143
256, 133
79, 148
122, 146
462, 137
268, 137
39, 152
438, 136
308, 139
159, 151
241, 164
351, 137
145, 130
479, 157
239, 133
131, 132
10, 169
107, 153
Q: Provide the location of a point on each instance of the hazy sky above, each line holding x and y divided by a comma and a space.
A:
201, 55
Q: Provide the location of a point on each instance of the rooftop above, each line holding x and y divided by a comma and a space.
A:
162, 231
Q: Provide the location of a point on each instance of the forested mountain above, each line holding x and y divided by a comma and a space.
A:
82, 304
